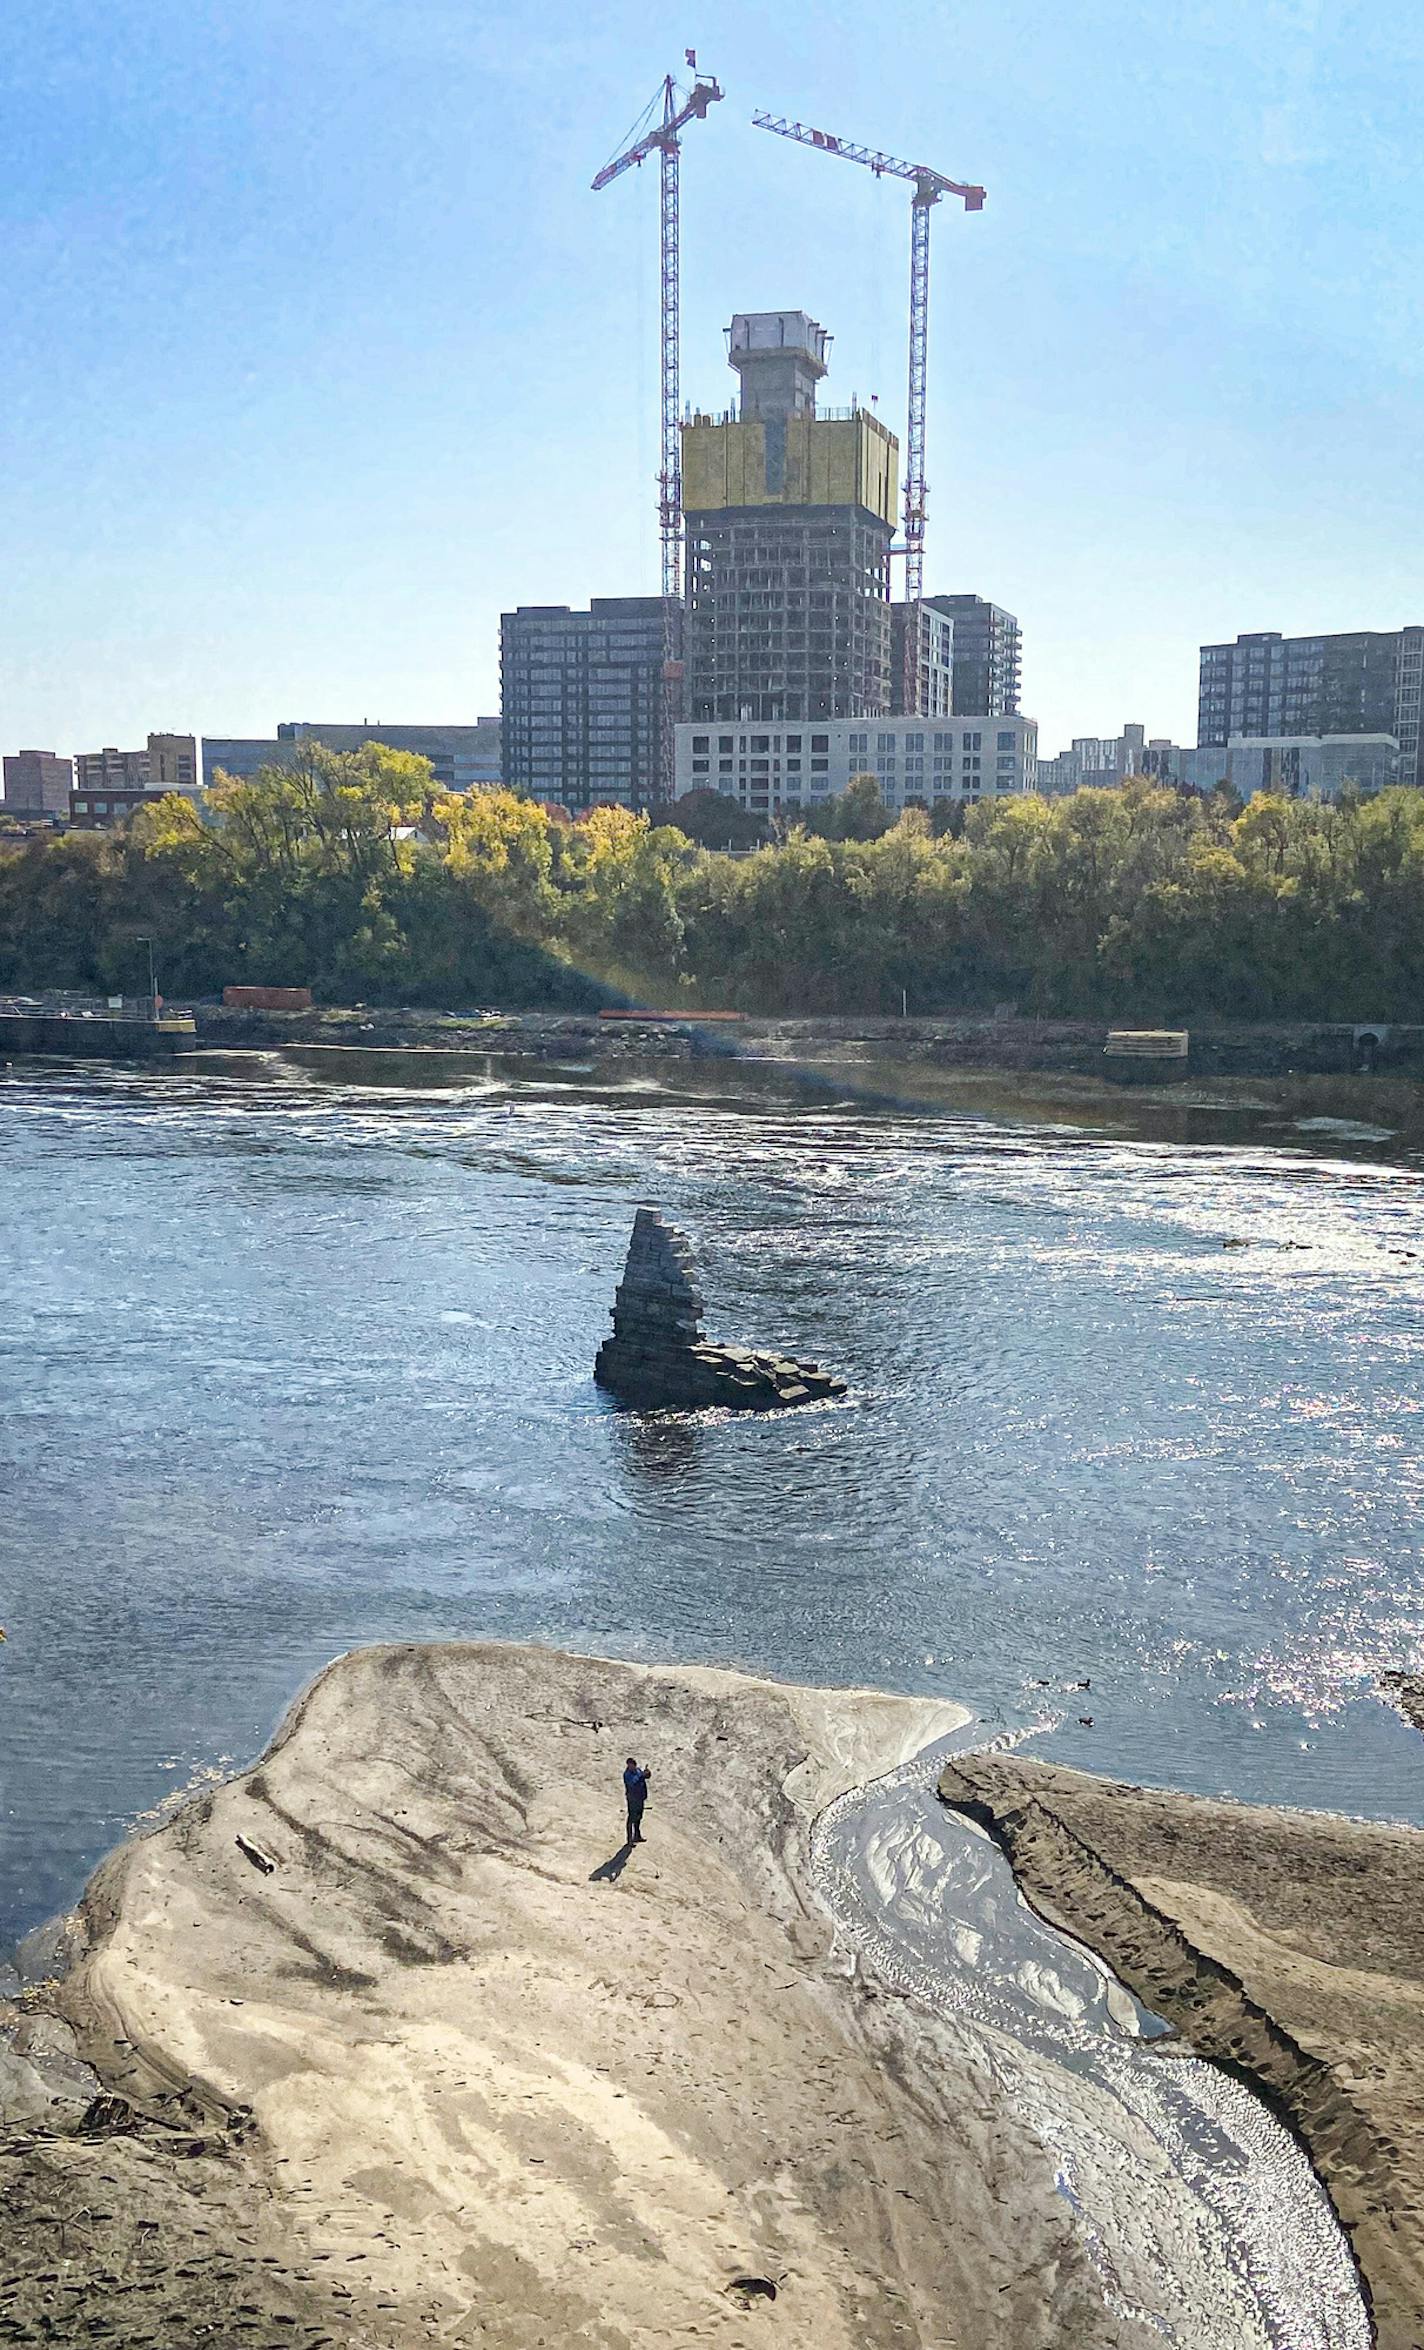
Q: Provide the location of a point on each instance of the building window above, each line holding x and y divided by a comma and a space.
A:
820, 742
699, 767
793, 742
700, 743
724, 742
819, 766
761, 742
1006, 742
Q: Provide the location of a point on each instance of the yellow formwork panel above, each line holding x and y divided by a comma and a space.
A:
825, 461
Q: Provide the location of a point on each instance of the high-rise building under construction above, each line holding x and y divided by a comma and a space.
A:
789, 517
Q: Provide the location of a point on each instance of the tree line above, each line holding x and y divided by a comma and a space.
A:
351, 873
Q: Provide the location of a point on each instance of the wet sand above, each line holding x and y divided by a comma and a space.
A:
398, 2045
1287, 1946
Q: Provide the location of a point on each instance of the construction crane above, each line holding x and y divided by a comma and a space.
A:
929, 187
663, 140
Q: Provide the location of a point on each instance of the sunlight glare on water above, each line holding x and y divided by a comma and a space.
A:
290, 1366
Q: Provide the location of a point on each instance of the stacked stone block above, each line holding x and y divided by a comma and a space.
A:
658, 1357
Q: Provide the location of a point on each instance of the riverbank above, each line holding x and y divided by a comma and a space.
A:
398, 2044
963, 1040
1297, 1074
1287, 1946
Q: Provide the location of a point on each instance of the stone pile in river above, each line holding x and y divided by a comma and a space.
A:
658, 1357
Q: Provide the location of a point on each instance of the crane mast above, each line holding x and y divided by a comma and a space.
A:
929, 186
664, 140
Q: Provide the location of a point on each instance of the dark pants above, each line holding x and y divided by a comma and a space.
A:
635, 1821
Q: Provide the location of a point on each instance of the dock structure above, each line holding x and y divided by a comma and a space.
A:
658, 1356
66, 1034
1138, 1055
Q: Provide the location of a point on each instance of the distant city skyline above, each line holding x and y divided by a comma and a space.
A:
308, 393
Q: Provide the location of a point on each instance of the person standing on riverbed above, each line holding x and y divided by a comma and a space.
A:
635, 1788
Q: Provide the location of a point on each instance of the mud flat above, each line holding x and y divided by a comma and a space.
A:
392, 2041
1287, 1947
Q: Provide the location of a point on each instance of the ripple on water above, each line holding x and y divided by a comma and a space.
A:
1200, 2213
293, 1366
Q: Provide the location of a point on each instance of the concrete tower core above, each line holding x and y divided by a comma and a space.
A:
789, 518
780, 357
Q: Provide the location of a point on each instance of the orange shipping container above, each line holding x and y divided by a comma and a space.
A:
268, 999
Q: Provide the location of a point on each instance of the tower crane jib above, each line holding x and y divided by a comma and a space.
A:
929, 187
664, 141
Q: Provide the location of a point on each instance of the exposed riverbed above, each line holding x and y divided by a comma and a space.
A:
530, 2083
1202, 2215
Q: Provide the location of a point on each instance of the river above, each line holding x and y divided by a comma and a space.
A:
292, 1364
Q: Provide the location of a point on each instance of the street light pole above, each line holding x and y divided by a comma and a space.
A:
152, 981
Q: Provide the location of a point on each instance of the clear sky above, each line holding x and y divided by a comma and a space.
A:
320, 352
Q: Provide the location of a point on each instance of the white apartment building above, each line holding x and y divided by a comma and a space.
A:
780, 768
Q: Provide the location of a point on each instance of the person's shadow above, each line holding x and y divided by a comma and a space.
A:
611, 1870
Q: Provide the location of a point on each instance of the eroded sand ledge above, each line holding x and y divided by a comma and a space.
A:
1289, 1945
499, 2093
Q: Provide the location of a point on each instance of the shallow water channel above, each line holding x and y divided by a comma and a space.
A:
1201, 2213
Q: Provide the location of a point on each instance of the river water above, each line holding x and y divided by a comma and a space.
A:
1200, 2212
290, 1365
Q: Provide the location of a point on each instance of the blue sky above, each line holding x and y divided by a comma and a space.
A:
320, 351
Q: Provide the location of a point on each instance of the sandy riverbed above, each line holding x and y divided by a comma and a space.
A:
398, 2044
457, 2069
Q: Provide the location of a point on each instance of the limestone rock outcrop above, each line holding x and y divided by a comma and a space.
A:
658, 1357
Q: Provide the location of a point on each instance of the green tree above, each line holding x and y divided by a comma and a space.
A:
857, 813
351, 874
715, 822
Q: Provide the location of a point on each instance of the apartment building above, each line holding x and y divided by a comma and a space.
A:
988, 656
581, 700
168, 762
1361, 682
781, 769
38, 783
